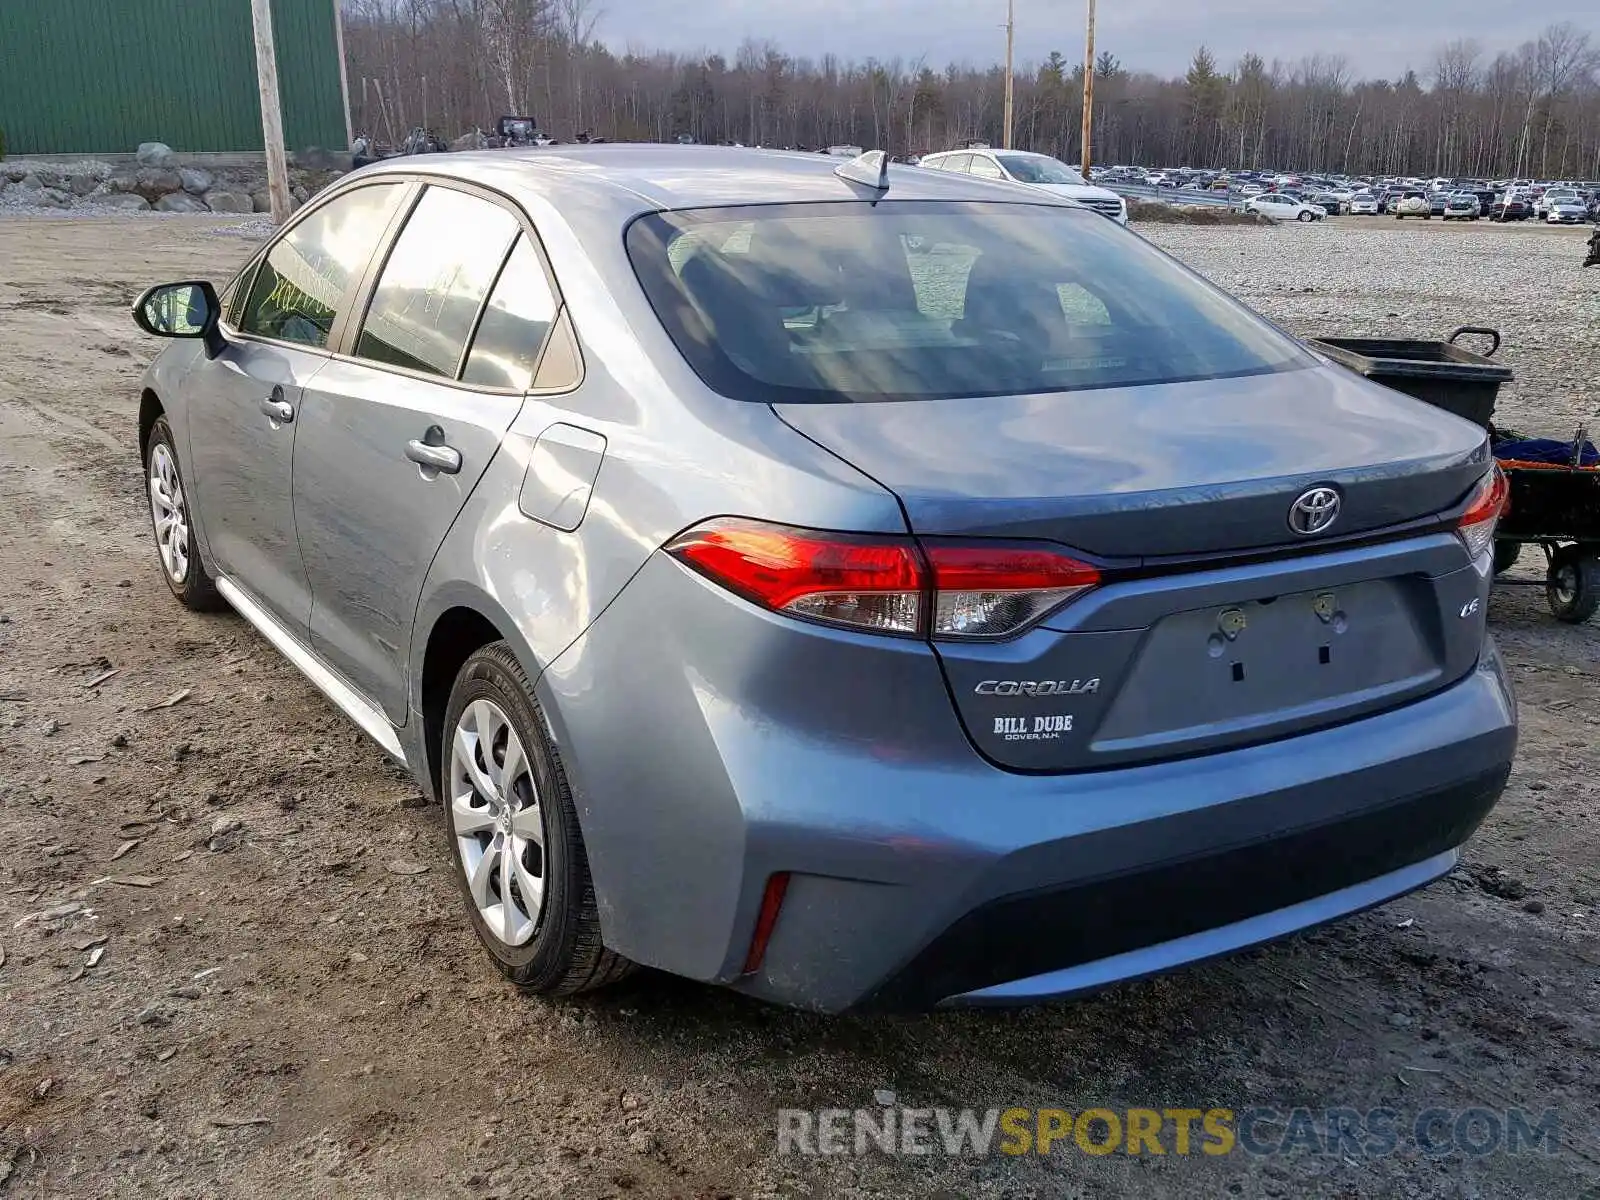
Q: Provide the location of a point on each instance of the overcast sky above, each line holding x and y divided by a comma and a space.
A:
1380, 37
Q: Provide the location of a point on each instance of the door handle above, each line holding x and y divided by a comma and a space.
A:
433, 454
276, 407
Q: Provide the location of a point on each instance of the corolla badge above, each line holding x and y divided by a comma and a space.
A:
1314, 511
1038, 687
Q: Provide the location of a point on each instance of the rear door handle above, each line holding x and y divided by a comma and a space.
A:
434, 454
276, 407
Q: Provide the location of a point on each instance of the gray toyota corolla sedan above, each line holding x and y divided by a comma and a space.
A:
857, 587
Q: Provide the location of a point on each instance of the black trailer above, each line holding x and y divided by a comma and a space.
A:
1554, 486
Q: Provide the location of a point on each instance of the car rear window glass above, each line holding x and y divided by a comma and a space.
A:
302, 282
907, 300
433, 285
505, 349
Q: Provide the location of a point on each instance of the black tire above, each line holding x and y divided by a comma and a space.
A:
565, 955
1505, 556
193, 586
1573, 584
1305, 216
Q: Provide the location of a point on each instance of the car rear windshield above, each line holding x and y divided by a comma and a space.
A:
922, 300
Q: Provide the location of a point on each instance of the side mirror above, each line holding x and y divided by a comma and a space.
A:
182, 310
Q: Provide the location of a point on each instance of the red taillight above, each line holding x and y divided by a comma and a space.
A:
883, 583
766, 920
1483, 511
844, 579
983, 591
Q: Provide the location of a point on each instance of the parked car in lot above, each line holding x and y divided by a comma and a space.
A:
1412, 204
1550, 197
1284, 208
1363, 204
821, 578
1328, 203
1036, 170
1460, 206
1510, 206
1564, 210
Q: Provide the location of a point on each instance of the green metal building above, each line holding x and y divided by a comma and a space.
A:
101, 76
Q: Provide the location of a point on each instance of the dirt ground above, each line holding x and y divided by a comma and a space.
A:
234, 962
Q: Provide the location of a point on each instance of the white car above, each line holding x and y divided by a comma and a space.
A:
1563, 211
1363, 204
1034, 170
1284, 208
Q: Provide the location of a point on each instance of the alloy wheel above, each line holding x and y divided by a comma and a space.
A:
498, 822
168, 512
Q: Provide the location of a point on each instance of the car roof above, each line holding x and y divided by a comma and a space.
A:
632, 178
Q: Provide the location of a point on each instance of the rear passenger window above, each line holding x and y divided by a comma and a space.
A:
433, 285
521, 307
984, 167
302, 283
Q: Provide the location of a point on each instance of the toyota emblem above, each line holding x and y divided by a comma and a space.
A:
1314, 511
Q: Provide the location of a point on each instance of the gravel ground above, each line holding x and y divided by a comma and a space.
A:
234, 963
1368, 277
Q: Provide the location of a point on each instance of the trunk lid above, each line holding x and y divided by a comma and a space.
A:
1205, 635
1158, 470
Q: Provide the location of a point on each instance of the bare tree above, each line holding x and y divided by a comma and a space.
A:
1473, 113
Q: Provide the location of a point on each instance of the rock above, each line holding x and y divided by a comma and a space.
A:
642, 1141
1534, 906
299, 192
196, 181
226, 831
1497, 883
262, 201
155, 154
188, 991
82, 185
123, 200
153, 183
30, 194
222, 201
11, 172
180, 202
156, 1016
50, 728
30, 183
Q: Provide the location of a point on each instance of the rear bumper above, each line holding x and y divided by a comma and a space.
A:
920, 874
1155, 916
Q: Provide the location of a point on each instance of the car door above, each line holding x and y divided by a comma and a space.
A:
985, 167
395, 433
243, 403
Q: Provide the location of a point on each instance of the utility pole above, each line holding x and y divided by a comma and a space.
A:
1011, 28
1088, 90
271, 114
344, 74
